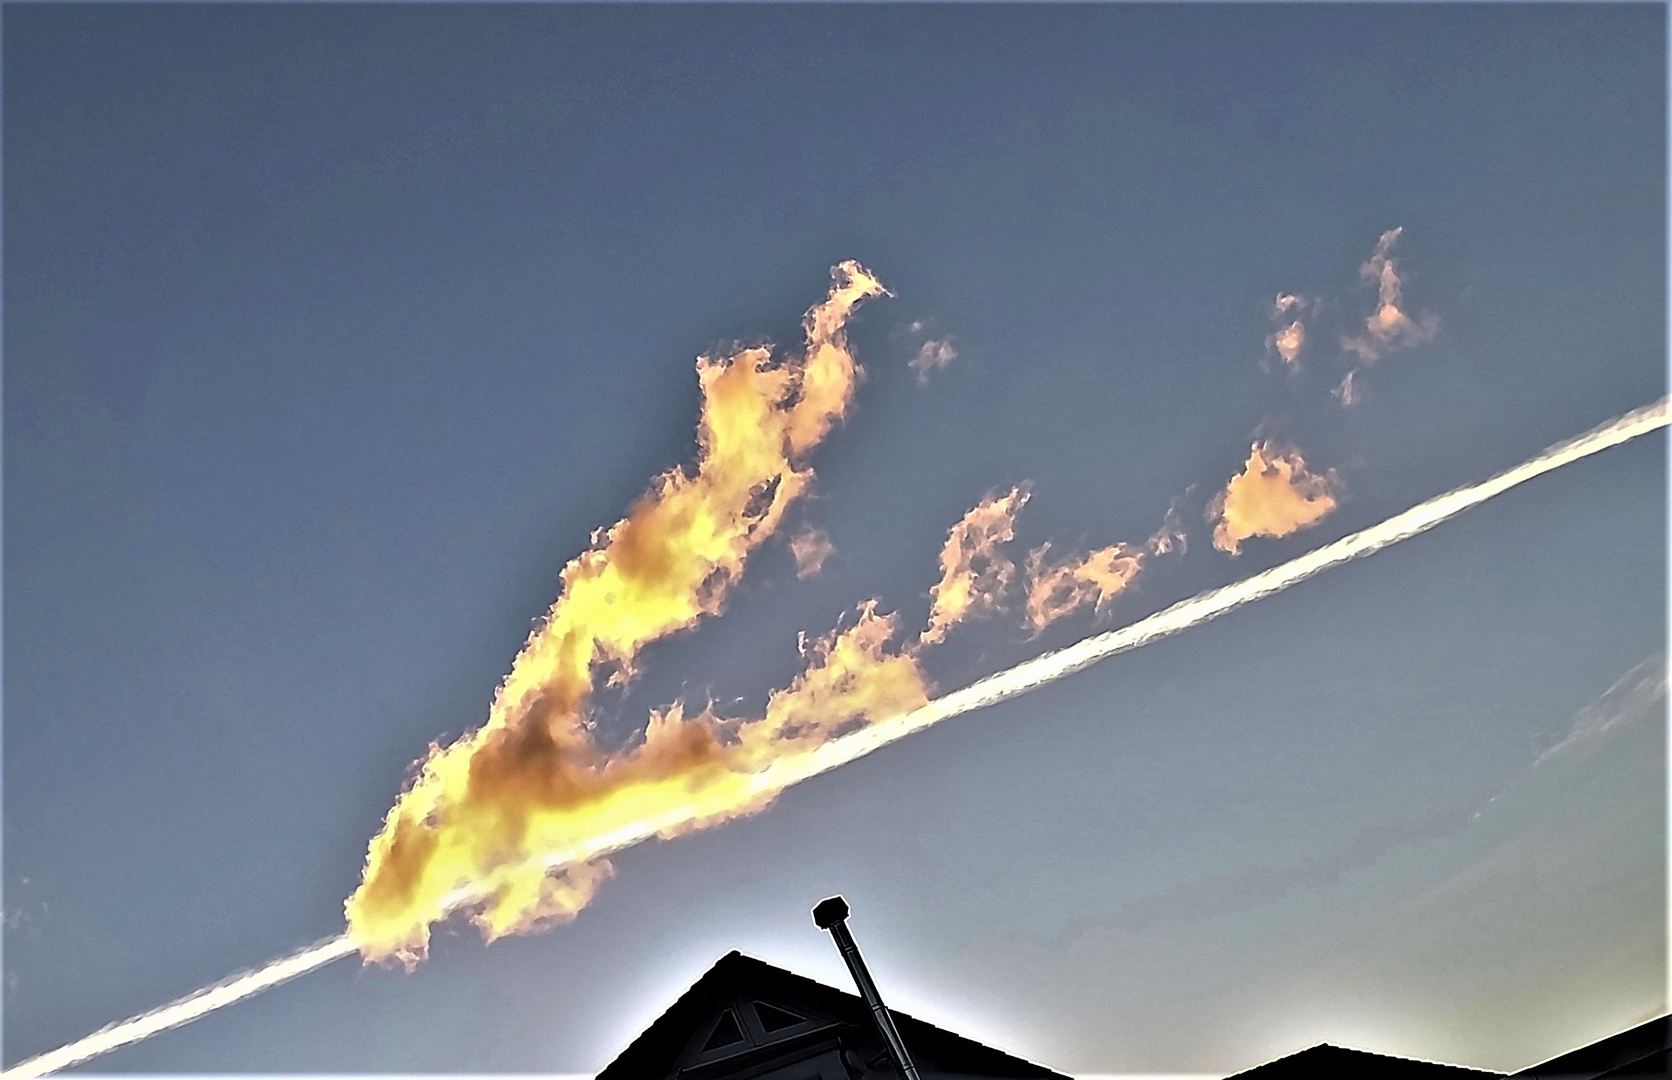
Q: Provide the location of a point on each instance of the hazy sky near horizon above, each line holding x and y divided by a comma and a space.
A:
332, 333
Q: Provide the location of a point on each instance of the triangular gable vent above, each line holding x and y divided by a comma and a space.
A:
725, 1033
773, 1018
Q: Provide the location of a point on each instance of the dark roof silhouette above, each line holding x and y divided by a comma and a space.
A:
1328, 1062
747, 1018
1639, 1052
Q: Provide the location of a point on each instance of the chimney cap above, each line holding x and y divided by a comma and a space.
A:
830, 912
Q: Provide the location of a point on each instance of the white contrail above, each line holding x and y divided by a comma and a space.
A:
187, 1009
1002, 686
1032, 674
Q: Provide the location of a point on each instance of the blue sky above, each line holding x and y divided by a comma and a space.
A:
333, 333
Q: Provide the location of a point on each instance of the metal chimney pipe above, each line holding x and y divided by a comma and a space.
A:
832, 915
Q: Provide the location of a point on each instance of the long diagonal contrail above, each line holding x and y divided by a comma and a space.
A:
1002, 686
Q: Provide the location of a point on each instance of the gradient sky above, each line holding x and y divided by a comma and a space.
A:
333, 332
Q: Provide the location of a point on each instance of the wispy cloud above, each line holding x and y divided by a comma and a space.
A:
1299, 318
1636, 696
1170, 537
1057, 587
1389, 327
1347, 391
975, 571
1240, 890
1095, 579
1290, 338
810, 547
933, 354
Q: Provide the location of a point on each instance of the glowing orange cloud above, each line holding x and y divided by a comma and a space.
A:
1388, 327
1289, 341
1094, 578
1274, 495
1055, 589
975, 573
810, 548
481, 813
852, 677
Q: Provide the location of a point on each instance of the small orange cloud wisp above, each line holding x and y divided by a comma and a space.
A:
1055, 589
1289, 341
480, 815
1290, 338
1389, 326
975, 572
1274, 495
1095, 578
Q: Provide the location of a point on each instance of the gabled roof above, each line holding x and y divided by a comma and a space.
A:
825, 1014
1641, 1051
1334, 1062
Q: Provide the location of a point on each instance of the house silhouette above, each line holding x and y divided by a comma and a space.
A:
1340, 1063
1636, 1054
748, 1020
745, 1019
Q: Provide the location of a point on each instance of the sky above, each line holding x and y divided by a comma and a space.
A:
332, 333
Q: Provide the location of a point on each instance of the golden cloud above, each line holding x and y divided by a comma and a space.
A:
1274, 495
975, 572
1095, 578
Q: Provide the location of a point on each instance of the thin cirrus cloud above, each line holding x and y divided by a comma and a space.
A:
1274, 495
1225, 894
1636, 697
